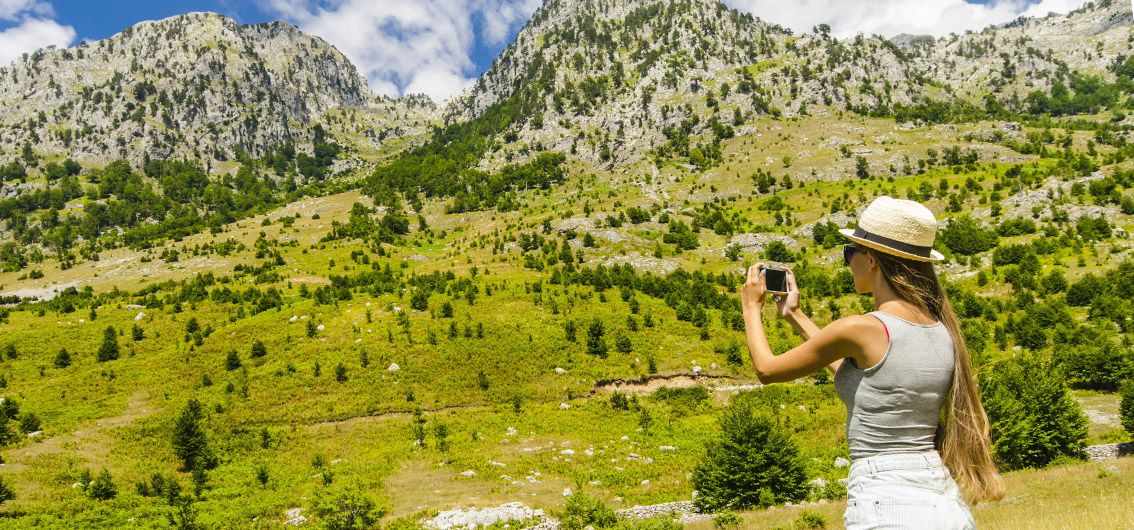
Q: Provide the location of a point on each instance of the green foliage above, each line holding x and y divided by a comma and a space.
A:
347, 508
582, 510
108, 351
190, 443
258, 349
232, 360
102, 487
6, 493
62, 359
1126, 407
808, 519
754, 463
727, 519
683, 400
596, 341
965, 235
779, 252
1034, 418
681, 236
1096, 366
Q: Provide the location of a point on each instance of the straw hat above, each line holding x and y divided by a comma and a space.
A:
897, 227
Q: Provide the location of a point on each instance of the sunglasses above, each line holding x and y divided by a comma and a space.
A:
848, 251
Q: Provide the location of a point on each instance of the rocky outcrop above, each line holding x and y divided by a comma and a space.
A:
196, 85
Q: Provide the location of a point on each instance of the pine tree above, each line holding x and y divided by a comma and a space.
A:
596, 344
63, 359
754, 463
258, 349
232, 361
6, 493
189, 441
102, 487
109, 349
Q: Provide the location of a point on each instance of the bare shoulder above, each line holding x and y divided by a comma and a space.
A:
855, 328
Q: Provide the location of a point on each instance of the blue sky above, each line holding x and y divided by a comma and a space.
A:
439, 47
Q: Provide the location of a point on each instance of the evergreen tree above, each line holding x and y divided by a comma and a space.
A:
596, 344
189, 441
109, 349
232, 361
1127, 407
258, 349
6, 493
754, 463
137, 333
102, 487
1034, 418
63, 359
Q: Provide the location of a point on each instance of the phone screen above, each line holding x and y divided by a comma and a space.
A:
775, 280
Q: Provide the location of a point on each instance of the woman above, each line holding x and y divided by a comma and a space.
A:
916, 429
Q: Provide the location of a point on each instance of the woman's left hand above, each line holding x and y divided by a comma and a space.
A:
754, 290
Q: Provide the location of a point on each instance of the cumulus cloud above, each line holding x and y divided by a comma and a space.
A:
30, 28
891, 17
14, 9
410, 46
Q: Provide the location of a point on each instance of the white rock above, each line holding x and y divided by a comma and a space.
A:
560, 371
624, 438
667, 448
566, 492
393, 367
646, 482
294, 518
696, 369
320, 327
801, 407
35, 434
495, 463
356, 341
714, 366
293, 318
304, 317
841, 462
564, 406
567, 452
468, 473
511, 431
819, 483
141, 315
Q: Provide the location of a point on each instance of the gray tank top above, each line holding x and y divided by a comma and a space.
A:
895, 405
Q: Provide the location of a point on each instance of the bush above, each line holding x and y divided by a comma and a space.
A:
965, 235
754, 463
109, 349
102, 487
258, 349
347, 507
727, 519
1034, 419
189, 441
1097, 367
6, 493
583, 510
809, 519
1127, 407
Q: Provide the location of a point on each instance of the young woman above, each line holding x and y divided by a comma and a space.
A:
917, 432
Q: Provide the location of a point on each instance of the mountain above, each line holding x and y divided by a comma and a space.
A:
612, 81
196, 85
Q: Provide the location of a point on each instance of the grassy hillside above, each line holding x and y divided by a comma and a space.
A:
474, 309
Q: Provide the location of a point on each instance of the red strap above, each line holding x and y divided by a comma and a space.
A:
887, 331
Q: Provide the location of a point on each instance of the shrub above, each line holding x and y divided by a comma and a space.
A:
6, 493
258, 349
596, 344
1034, 419
232, 361
1127, 407
965, 235
754, 463
1096, 367
102, 487
727, 519
346, 507
583, 510
809, 519
63, 359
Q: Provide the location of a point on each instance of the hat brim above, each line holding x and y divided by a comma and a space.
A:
934, 255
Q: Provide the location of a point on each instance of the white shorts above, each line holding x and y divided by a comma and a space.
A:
910, 490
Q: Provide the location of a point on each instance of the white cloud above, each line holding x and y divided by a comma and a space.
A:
410, 46
30, 35
14, 9
891, 17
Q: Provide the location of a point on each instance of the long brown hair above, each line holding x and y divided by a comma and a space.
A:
963, 434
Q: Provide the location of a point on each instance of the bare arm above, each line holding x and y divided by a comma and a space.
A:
803, 325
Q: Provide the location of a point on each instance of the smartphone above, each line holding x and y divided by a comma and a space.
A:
775, 280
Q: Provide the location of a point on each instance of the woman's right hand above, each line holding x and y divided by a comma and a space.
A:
789, 302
